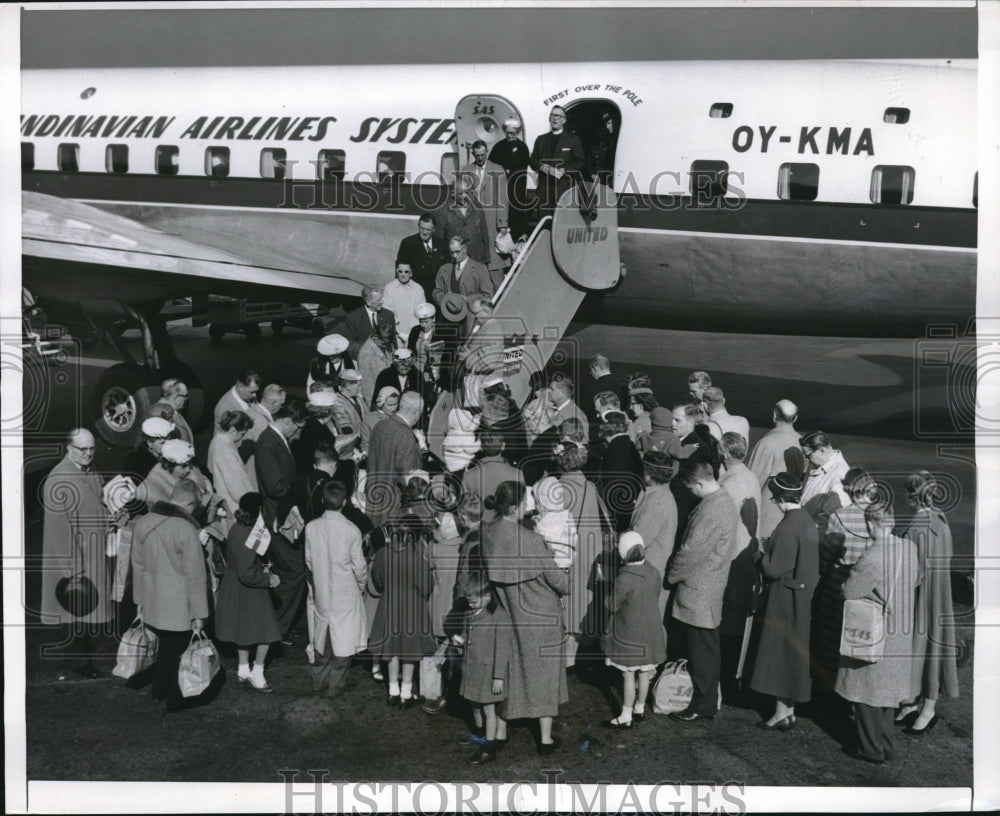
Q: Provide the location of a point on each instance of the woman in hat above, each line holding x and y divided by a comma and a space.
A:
143, 458
790, 566
331, 358
244, 614
386, 404
230, 475
640, 403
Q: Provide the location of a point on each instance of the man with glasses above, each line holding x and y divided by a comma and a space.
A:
463, 276
777, 451
823, 492
512, 155
558, 158
76, 582
174, 393
401, 296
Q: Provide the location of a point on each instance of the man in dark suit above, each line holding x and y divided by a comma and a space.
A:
558, 158
602, 380
364, 320
621, 479
463, 276
278, 483
401, 374
424, 252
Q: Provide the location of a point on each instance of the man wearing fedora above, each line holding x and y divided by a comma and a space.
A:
76, 582
464, 277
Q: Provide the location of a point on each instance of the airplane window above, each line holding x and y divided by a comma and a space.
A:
975, 190
116, 158
68, 158
217, 162
896, 116
167, 160
798, 182
708, 180
892, 184
721, 110
331, 165
27, 156
390, 165
272, 163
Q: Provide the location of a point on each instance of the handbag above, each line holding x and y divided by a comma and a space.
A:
199, 665
77, 595
137, 651
862, 632
430, 672
673, 689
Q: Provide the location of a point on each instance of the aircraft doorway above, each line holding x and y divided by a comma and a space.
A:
597, 122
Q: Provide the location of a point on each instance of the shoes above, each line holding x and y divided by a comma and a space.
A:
472, 738
377, 676
311, 654
615, 725
434, 706
689, 717
287, 641
910, 731
545, 749
854, 753
257, 681
243, 679
637, 717
908, 720
408, 702
395, 701
485, 754
786, 724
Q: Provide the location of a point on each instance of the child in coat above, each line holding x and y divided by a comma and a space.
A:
554, 522
484, 668
635, 643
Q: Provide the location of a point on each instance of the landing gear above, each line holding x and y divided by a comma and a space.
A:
125, 392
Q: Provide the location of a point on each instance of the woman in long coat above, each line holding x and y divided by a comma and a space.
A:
655, 516
230, 476
935, 672
583, 612
845, 541
791, 566
888, 575
244, 614
529, 586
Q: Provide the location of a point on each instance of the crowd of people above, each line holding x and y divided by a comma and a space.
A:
594, 528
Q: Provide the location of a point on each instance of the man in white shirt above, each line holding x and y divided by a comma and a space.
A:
401, 296
720, 421
823, 492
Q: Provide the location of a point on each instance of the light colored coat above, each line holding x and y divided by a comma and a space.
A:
739, 482
334, 557
777, 451
655, 519
723, 422
372, 359
700, 568
886, 683
823, 492
231, 402
401, 299
231, 477
169, 574
74, 539
490, 189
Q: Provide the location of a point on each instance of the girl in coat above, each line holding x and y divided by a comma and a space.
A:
934, 665
790, 566
244, 613
887, 574
530, 587
484, 667
635, 643
401, 575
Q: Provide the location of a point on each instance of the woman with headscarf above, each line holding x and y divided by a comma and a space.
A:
790, 565
530, 587
386, 404
244, 612
935, 672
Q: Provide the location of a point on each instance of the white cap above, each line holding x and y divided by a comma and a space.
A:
512, 122
424, 310
402, 354
332, 344
177, 451
628, 541
322, 399
157, 427
350, 375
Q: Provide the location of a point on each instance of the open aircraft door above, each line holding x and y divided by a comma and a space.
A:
481, 116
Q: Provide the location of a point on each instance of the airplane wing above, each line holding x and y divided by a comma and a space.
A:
67, 245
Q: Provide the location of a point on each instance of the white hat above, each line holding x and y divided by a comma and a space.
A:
332, 344
322, 399
512, 122
402, 354
492, 379
627, 541
350, 375
157, 428
177, 451
424, 310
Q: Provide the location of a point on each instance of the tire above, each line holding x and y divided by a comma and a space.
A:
216, 332
277, 326
253, 333
121, 401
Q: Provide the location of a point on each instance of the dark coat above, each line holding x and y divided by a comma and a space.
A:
390, 376
564, 150
790, 565
244, 614
606, 382
423, 263
357, 328
529, 586
304, 447
621, 480
277, 477
471, 226
139, 463
636, 636
487, 654
392, 452
474, 281
321, 369
512, 156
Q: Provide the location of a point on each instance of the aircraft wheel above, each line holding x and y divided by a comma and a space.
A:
122, 398
216, 332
